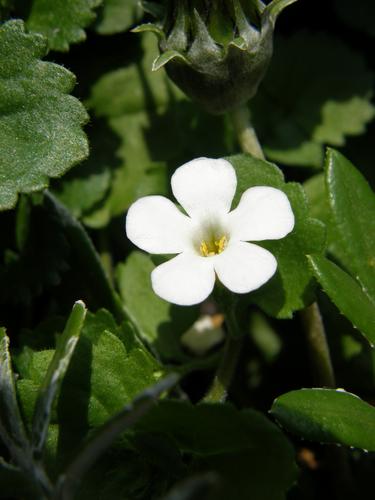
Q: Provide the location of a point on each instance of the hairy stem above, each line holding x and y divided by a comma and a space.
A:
245, 132
318, 346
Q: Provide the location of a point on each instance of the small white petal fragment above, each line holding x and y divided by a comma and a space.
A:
205, 187
185, 280
244, 267
157, 226
263, 213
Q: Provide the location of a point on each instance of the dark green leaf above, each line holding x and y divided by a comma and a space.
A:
160, 323
292, 286
321, 104
353, 207
62, 21
108, 369
250, 455
327, 416
347, 295
40, 124
55, 374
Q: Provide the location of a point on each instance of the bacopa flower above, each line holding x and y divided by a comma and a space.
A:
211, 241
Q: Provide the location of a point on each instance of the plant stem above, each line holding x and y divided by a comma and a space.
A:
223, 377
318, 346
245, 132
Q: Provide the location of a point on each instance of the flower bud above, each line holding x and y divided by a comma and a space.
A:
216, 51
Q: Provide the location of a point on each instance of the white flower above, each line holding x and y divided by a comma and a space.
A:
210, 240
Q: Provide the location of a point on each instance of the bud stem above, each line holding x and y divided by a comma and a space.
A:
245, 132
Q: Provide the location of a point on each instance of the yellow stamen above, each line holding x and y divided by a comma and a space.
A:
211, 248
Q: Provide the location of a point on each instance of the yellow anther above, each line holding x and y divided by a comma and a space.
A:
211, 248
221, 244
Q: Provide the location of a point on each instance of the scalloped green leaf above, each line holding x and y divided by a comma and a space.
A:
62, 21
321, 104
108, 369
41, 132
116, 16
327, 416
292, 287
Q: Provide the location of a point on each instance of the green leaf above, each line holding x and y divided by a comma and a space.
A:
352, 205
145, 111
321, 104
327, 416
40, 124
346, 293
55, 374
249, 454
61, 21
118, 15
12, 431
292, 287
160, 323
108, 369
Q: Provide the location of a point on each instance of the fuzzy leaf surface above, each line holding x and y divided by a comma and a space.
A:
40, 123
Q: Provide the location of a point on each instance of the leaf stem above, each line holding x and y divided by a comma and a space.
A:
318, 346
245, 132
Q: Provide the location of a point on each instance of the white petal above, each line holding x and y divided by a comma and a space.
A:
263, 213
156, 225
185, 280
244, 267
205, 186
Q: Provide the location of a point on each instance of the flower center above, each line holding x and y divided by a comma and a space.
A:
209, 248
